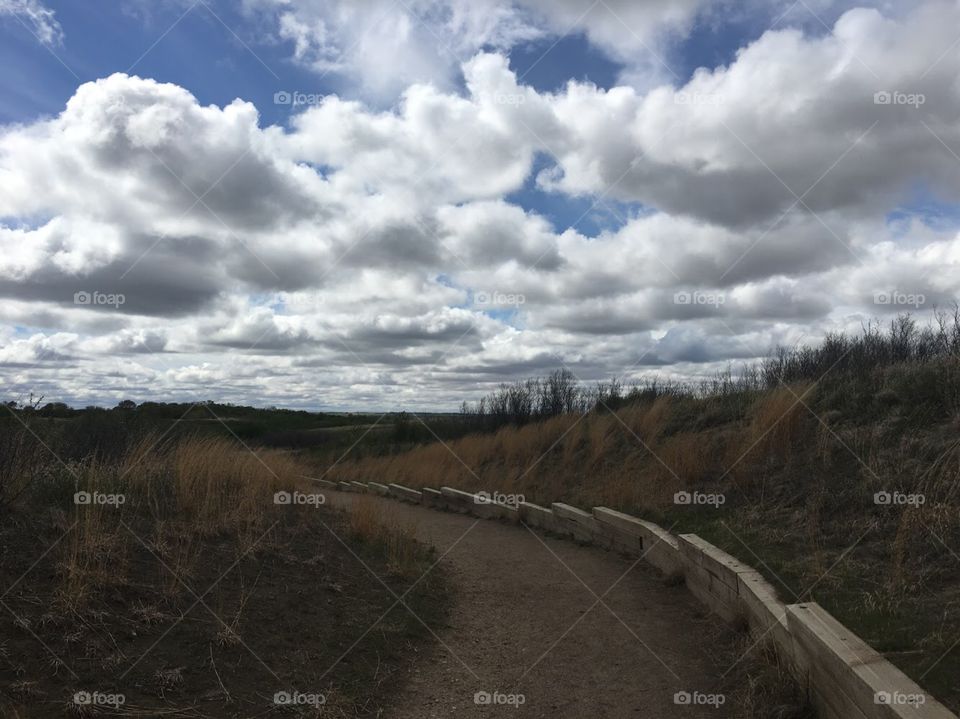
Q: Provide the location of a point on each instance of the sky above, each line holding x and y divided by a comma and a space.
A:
398, 204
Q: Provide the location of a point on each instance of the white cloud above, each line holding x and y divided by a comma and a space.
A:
344, 255
383, 46
36, 17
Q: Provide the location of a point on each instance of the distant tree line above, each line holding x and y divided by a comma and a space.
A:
838, 358
557, 393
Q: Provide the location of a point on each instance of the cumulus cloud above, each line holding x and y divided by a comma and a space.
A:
386, 254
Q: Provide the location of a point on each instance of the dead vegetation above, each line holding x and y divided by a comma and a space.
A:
193, 578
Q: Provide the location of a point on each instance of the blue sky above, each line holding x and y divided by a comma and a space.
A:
219, 61
199, 53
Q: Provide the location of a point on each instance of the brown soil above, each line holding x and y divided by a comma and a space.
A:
526, 622
276, 615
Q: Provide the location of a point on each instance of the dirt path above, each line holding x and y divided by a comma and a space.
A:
525, 622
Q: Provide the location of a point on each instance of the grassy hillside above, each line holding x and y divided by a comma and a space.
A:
834, 470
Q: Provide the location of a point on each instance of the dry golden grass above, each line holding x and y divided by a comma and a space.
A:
89, 549
624, 460
198, 488
777, 423
371, 525
221, 486
647, 421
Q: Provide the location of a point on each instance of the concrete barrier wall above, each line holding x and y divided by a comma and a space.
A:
404, 494
578, 524
458, 500
843, 676
533, 515
713, 576
377, 488
479, 506
432, 498
637, 536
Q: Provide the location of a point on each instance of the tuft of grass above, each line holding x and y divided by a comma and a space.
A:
371, 526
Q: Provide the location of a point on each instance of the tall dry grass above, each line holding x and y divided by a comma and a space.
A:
371, 525
627, 459
173, 497
634, 459
221, 486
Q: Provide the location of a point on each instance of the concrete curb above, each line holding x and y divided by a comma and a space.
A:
322, 482
458, 500
377, 488
432, 498
404, 494
657, 546
843, 676
577, 523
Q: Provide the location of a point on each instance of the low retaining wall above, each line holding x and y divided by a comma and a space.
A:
578, 524
404, 494
842, 675
846, 677
323, 482
377, 488
481, 506
533, 515
432, 498
457, 500
637, 536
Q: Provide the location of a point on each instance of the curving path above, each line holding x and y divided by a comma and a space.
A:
526, 620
